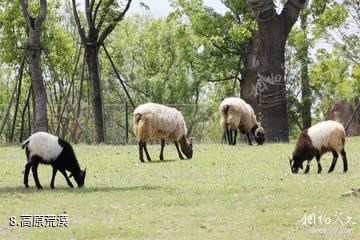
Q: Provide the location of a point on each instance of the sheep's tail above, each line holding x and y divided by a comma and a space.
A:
25, 143
226, 109
137, 118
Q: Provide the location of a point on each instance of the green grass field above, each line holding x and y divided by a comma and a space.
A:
224, 192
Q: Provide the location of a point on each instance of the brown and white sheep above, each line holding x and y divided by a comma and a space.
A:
323, 137
156, 121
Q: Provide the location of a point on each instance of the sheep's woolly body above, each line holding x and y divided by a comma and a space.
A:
44, 145
327, 135
313, 142
155, 121
236, 113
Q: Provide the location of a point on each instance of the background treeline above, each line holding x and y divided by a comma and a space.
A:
191, 59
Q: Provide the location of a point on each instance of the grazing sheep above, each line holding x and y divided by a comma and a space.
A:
155, 121
313, 142
42, 147
237, 114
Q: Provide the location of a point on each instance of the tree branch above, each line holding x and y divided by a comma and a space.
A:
26, 14
42, 14
92, 5
111, 27
290, 14
77, 21
88, 13
103, 15
224, 79
96, 11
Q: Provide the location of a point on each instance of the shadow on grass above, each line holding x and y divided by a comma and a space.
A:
20, 189
162, 161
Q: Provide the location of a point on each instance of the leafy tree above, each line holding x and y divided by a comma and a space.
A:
274, 29
335, 72
56, 42
101, 19
33, 30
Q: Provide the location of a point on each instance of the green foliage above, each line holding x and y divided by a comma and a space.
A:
154, 56
55, 39
333, 17
331, 79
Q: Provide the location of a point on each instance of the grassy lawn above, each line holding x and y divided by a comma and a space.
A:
224, 192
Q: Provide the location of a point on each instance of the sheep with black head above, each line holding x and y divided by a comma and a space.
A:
314, 142
42, 147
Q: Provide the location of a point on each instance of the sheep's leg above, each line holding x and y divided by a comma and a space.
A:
229, 136
343, 155
162, 149
26, 173
35, 175
141, 155
307, 169
249, 139
53, 178
224, 138
146, 152
318, 163
66, 178
235, 135
178, 150
335, 156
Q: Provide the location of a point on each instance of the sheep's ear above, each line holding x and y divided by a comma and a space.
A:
191, 141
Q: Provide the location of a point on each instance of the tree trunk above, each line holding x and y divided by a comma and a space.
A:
271, 84
37, 82
33, 29
273, 32
249, 76
93, 39
305, 87
92, 53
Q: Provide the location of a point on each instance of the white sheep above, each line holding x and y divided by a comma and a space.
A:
42, 147
156, 121
313, 142
237, 114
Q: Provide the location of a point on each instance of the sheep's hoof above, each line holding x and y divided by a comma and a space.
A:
142, 160
39, 187
161, 158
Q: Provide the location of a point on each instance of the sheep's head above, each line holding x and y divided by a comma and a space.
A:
259, 135
295, 163
186, 147
80, 177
